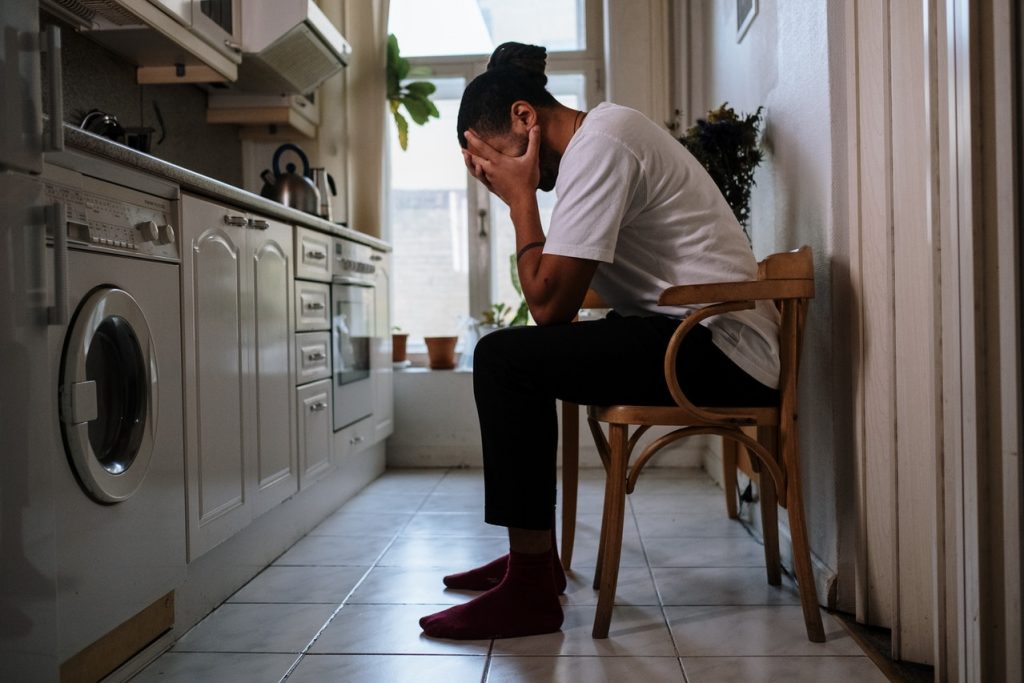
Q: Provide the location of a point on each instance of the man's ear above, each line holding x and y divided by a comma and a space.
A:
524, 116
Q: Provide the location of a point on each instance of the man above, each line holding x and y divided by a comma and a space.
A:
635, 214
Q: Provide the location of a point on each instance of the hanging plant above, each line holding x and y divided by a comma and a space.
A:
415, 96
726, 144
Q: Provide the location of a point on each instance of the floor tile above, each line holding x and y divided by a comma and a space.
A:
754, 630
229, 667
334, 551
635, 631
388, 629
368, 501
256, 628
455, 502
467, 524
347, 523
386, 668
444, 552
589, 669
587, 540
406, 481
635, 587
704, 523
774, 669
704, 552
696, 500
725, 586
300, 585
408, 586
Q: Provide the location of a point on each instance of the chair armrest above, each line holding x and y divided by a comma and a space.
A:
721, 292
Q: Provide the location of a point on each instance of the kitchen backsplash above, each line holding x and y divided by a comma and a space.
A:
97, 79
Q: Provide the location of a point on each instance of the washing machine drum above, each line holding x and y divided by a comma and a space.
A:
108, 395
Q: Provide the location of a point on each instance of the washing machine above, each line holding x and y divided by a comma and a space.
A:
117, 439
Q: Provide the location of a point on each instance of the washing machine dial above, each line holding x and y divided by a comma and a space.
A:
149, 231
166, 234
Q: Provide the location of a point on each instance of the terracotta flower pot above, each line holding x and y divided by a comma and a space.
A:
441, 351
398, 347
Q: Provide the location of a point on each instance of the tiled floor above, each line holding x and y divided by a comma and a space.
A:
343, 603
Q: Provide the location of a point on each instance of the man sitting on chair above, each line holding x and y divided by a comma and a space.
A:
636, 213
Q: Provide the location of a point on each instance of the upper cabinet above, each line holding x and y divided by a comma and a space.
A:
264, 46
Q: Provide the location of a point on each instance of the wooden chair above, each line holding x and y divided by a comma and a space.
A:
787, 279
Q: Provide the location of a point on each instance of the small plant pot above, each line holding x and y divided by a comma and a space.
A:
441, 352
398, 347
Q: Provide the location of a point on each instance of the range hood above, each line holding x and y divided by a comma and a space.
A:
288, 46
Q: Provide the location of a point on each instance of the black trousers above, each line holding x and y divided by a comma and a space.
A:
519, 372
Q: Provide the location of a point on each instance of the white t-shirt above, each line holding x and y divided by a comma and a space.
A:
632, 197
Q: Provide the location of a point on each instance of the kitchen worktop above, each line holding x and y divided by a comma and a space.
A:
190, 181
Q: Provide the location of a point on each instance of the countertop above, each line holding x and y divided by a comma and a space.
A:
195, 183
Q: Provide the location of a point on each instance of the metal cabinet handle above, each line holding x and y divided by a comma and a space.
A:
314, 306
317, 407
237, 221
319, 355
58, 313
316, 255
376, 257
482, 220
259, 223
354, 440
51, 43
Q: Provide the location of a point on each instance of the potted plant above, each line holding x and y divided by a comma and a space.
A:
398, 344
441, 352
726, 144
414, 97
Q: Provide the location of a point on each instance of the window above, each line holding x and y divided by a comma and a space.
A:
452, 239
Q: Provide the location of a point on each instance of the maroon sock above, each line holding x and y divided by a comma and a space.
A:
525, 603
488, 576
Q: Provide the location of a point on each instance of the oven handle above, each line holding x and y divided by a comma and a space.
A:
353, 281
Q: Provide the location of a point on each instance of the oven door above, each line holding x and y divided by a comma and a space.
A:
352, 326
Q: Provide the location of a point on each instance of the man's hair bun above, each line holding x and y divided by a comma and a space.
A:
531, 59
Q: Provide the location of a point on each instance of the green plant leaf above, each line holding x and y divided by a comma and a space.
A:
522, 316
403, 130
417, 108
421, 88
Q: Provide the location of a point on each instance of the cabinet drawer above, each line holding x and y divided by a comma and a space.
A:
313, 255
315, 413
312, 306
312, 356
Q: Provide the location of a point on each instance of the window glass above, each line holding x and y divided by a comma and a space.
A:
569, 89
429, 222
476, 27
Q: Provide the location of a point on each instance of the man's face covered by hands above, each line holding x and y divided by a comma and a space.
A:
514, 144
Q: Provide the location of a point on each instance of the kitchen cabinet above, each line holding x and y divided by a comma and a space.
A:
382, 368
314, 411
239, 371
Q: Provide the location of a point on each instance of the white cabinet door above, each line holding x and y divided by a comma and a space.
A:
270, 255
380, 352
214, 321
315, 412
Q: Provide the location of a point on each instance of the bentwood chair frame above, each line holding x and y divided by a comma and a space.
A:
787, 279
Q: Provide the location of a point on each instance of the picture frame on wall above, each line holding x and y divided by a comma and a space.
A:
746, 10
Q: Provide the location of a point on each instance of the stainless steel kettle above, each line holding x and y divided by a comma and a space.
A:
291, 188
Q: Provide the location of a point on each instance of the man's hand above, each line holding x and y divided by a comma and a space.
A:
513, 178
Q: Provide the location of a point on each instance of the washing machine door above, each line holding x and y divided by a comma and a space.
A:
108, 395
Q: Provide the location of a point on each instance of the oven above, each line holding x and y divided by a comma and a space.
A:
352, 327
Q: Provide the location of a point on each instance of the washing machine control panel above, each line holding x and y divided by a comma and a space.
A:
109, 217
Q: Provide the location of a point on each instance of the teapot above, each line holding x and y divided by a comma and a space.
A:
291, 188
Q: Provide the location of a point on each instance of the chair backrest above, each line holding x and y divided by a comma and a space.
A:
792, 265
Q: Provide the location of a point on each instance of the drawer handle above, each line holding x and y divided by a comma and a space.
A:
237, 221
259, 224
319, 355
314, 306
316, 255
317, 407
355, 440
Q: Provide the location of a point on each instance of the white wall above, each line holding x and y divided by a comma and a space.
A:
786, 63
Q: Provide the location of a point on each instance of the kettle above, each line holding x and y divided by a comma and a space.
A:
291, 188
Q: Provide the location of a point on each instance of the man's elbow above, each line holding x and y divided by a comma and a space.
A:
550, 315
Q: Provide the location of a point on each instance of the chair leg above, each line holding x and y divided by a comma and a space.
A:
730, 456
611, 528
570, 478
801, 548
769, 511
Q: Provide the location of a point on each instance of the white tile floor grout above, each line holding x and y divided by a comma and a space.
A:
342, 604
